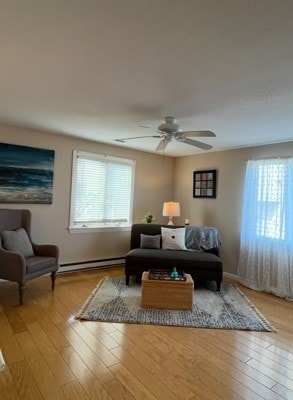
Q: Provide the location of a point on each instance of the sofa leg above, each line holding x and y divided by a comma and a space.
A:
21, 291
127, 279
218, 285
53, 278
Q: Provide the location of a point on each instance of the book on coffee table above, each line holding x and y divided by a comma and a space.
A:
165, 275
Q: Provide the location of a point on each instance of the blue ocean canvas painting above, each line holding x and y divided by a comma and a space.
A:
26, 174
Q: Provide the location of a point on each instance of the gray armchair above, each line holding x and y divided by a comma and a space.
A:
20, 259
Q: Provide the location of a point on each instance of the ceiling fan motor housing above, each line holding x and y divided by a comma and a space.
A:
169, 126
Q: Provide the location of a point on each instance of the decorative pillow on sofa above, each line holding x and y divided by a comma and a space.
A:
150, 241
17, 241
173, 239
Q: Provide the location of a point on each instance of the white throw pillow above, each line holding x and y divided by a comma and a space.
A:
173, 239
17, 241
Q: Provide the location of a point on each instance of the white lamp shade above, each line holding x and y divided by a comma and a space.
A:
171, 209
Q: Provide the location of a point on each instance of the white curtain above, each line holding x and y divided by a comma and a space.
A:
266, 248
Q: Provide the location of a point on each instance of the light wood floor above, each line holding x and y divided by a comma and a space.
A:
49, 355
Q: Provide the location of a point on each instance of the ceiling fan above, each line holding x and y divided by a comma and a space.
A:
170, 130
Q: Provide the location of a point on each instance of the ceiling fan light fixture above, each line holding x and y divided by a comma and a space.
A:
169, 126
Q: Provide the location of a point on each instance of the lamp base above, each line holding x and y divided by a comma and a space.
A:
170, 221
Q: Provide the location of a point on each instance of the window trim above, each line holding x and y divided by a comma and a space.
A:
72, 228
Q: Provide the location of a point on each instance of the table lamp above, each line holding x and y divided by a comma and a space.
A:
171, 209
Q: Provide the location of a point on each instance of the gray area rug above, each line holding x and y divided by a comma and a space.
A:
113, 301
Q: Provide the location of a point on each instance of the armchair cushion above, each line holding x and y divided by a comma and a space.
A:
17, 241
35, 264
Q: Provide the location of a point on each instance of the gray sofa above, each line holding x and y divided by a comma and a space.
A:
201, 259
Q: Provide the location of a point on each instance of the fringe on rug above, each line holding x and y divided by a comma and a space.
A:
80, 314
256, 310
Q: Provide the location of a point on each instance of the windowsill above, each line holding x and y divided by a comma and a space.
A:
98, 229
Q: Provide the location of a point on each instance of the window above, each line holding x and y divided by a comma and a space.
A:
270, 196
267, 198
102, 192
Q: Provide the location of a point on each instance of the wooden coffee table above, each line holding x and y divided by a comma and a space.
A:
168, 294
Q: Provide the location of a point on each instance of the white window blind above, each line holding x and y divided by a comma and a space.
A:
102, 191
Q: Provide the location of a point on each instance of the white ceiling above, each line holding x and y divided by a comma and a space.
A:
98, 69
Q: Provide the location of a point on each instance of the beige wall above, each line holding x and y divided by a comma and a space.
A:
157, 180
224, 212
153, 186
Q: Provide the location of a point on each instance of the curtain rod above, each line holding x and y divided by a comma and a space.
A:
269, 158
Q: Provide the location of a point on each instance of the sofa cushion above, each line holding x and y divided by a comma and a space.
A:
150, 241
186, 260
17, 241
173, 238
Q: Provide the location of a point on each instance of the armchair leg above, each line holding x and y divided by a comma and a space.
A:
21, 289
53, 278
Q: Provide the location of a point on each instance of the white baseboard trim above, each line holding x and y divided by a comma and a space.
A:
231, 276
86, 265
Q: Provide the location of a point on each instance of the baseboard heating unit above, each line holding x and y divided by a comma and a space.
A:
83, 265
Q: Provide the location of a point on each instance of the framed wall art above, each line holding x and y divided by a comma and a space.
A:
204, 184
26, 174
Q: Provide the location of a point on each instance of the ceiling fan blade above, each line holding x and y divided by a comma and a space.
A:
195, 143
123, 140
198, 133
163, 144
